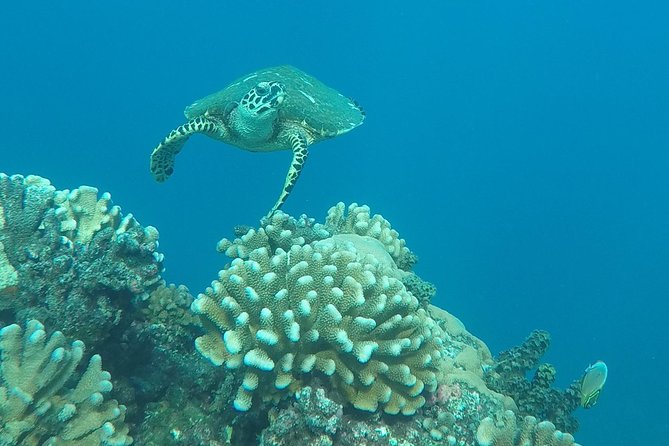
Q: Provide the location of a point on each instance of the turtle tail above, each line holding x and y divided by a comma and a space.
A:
162, 157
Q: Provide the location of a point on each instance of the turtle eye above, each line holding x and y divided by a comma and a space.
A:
262, 88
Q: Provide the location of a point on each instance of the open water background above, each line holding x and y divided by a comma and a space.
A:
521, 148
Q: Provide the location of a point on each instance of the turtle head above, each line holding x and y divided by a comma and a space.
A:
264, 99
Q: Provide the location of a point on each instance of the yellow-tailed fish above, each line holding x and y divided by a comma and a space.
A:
592, 383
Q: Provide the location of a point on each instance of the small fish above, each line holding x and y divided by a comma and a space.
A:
592, 383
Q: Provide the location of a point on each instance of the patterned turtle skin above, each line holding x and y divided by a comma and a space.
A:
278, 108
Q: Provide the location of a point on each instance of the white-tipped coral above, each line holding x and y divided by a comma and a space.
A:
82, 214
62, 245
503, 430
352, 223
279, 230
323, 309
356, 219
36, 405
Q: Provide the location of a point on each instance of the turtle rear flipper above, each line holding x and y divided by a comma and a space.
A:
300, 144
162, 157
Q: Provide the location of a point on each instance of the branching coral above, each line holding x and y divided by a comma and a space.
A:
24, 202
283, 231
70, 258
37, 407
356, 219
303, 305
526, 356
169, 305
321, 308
82, 214
535, 397
279, 230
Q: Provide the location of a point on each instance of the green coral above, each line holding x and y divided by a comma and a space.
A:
504, 430
526, 356
536, 396
326, 308
420, 288
168, 305
37, 407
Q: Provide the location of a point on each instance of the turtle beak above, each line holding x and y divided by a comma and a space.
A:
278, 99
279, 94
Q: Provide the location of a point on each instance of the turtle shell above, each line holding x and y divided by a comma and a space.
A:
308, 101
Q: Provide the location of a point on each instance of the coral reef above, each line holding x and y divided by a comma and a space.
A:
422, 289
36, 405
170, 305
173, 395
504, 430
536, 396
462, 399
326, 335
312, 420
321, 307
70, 259
316, 417
524, 357
280, 230
179, 417
357, 220
82, 215
84, 267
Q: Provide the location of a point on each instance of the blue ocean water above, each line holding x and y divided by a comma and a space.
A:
521, 149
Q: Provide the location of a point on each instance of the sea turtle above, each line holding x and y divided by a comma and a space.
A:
276, 108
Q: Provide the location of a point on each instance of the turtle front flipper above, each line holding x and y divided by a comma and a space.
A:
162, 157
299, 143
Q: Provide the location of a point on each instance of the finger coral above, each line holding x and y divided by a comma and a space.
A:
322, 307
38, 407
